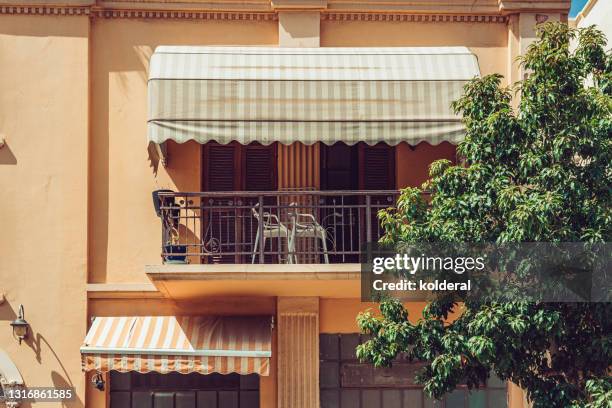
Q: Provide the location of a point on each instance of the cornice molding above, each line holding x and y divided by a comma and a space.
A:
415, 18
183, 15
475, 7
45, 10
480, 11
238, 16
99, 12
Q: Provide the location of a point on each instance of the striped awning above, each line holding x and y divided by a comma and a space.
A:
285, 95
163, 344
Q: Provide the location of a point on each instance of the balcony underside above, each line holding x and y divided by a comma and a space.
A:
192, 281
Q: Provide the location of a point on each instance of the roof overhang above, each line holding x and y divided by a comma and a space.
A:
531, 6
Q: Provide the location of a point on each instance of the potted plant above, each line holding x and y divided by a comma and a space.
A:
175, 252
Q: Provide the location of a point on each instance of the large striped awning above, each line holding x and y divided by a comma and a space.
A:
265, 94
183, 344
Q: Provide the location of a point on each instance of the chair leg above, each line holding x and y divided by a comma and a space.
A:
279, 250
290, 253
264, 245
291, 247
325, 255
255, 248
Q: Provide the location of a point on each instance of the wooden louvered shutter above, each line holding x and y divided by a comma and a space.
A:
377, 172
339, 167
220, 167
259, 168
221, 173
259, 165
377, 167
235, 167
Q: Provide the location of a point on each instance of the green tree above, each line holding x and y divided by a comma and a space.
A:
538, 173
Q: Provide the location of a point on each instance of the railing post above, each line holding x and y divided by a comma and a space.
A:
260, 228
368, 218
164, 232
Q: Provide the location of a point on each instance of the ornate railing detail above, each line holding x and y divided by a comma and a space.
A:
269, 227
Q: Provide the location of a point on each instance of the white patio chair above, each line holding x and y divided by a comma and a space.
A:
271, 228
305, 225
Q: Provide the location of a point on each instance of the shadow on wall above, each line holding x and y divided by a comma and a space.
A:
58, 380
7, 313
118, 120
154, 158
36, 342
6, 154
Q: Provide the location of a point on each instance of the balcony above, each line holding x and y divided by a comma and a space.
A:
293, 180
276, 227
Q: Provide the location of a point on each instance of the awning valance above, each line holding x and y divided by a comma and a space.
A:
201, 344
307, 94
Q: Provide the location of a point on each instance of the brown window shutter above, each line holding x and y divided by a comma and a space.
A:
220, 167
339, 167
259, 168
377, 167
235, 167
377, 172
259, 165
221, 171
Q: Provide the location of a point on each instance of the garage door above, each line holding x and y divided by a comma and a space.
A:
347, 383
174, 390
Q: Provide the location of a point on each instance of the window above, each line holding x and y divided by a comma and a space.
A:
357, 167
347, 383
235, 167
175, 390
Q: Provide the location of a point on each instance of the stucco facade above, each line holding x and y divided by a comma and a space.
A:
79, 235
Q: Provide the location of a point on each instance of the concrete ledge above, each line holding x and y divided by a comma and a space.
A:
122, 290
182, 282
254, 272
533, 6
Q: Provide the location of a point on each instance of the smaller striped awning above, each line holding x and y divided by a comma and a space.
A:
188, 344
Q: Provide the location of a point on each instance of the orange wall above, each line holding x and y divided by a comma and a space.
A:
125, 231
43, 210
412, 162
339, 315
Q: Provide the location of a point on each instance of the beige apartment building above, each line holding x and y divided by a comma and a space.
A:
186, 186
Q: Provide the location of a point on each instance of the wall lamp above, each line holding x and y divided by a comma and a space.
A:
20, 325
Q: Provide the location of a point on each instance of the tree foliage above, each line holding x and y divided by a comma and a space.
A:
538, 173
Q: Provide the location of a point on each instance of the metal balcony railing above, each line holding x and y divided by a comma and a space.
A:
269, 227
